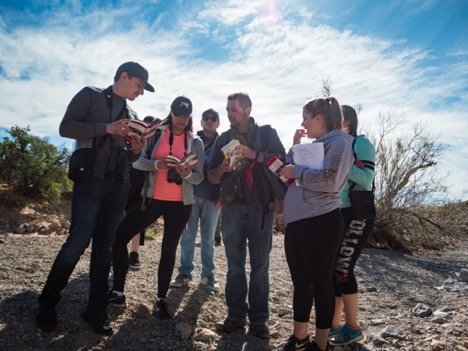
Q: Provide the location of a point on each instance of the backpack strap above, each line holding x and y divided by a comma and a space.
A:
367, 164
151, 143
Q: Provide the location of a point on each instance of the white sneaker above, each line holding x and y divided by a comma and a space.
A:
180, 281
210, 283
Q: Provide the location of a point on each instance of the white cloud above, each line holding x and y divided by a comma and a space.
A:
279, 60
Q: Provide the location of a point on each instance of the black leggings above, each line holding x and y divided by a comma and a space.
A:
355, 237
311, 245
175, 215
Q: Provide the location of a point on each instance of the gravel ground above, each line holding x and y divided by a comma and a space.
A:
391, 285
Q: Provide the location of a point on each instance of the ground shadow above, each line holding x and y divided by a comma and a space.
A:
20, 330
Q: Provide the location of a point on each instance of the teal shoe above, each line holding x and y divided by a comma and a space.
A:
346, 336
333, 332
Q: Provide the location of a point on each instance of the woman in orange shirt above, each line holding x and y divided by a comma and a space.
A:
168, 192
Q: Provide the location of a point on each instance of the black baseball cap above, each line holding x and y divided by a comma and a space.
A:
181, 106
134, 69
210, 110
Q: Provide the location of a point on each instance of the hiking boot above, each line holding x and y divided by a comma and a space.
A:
260, 330
162, 310
98, 325
180, 281
293, 344
346, 336
210, 283
229, 325
115, 299
134, 261
333, 332
46, 317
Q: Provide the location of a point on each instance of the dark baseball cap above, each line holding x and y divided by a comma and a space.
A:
210, 110
182, 106
134, 69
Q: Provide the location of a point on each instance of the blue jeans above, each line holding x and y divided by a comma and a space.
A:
97, 209
205, 212
241, 226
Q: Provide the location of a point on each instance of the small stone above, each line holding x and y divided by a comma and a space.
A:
377, 322
391, 331
463, 275
283, 312
421, 310
205, 335
183, 331
20, 230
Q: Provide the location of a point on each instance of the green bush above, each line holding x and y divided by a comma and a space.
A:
32, 165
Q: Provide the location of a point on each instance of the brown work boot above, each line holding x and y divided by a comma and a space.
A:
260, 330
230, 325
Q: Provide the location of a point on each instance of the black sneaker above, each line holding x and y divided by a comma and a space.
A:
315, 347
46, 317
134, 261
296, 345
162, 310
115, 299
100, 327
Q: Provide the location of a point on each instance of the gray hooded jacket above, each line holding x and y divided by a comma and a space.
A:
319, 190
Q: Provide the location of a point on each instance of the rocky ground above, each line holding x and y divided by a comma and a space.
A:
415, 303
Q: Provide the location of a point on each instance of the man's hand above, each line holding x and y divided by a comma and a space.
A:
119, 127
215, 175
247, 152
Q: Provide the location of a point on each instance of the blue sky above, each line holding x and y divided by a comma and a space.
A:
409, 57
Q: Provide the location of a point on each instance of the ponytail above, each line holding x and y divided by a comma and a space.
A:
329, 108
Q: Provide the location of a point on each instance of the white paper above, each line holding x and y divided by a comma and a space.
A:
309, 155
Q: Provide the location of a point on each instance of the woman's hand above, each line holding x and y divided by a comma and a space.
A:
286, 171
185, 171
298, 135
162, 164
137, 142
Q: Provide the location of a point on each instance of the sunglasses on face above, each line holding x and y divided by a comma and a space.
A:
210, 118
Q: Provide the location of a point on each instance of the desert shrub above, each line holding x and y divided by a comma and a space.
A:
410, 190
32, 165
149, 234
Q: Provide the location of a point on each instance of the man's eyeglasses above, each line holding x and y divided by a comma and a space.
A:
210, 118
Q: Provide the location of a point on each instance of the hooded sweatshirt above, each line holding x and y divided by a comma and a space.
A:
319, 190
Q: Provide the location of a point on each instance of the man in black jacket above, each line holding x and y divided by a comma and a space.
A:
247, 199
105, 146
